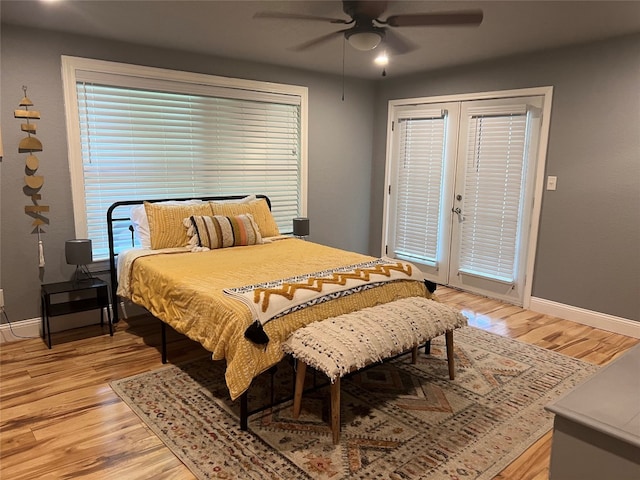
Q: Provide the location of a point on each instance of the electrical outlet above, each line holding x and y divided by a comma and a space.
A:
1, 298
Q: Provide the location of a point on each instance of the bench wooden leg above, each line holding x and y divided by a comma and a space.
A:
449, 341
414, 355
297, 396
335, 411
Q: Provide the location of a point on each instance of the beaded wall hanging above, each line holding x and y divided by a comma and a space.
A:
33, 182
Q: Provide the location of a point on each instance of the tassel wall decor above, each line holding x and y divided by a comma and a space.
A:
33, 182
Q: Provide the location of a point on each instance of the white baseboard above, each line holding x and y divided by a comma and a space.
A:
603, 321
20, 330
32, 327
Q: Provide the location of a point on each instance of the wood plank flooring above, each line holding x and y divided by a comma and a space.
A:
60, 419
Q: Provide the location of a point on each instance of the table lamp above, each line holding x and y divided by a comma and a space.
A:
301, 227
78, 252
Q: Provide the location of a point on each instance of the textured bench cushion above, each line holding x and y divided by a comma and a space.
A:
339, 345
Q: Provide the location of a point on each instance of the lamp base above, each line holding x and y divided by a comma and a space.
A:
81, 274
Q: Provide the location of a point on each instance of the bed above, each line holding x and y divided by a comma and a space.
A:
198, 291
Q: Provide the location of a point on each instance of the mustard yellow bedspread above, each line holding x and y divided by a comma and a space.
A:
185, 291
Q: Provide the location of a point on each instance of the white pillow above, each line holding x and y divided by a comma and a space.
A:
247, 199
138, 216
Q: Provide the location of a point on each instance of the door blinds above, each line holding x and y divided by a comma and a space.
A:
494, 179
419, 187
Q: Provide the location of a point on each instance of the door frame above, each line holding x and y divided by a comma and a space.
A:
547, 94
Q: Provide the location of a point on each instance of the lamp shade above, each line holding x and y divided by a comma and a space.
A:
78, 251
300, 226
364, 40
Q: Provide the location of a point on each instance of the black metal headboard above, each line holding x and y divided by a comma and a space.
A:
111, 220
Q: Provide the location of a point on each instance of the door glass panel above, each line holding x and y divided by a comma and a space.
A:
419, 183
494, 175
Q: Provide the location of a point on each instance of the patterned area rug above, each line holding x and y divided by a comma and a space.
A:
399, 421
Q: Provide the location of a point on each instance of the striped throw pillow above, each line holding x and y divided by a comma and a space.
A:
218, 231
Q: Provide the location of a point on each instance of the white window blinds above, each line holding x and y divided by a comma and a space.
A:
493, 188
139, 143
419, 187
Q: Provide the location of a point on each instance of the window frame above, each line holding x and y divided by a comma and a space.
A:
76, 69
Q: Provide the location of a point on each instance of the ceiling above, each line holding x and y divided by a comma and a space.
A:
229, 29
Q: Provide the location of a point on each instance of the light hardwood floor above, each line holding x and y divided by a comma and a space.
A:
60, 419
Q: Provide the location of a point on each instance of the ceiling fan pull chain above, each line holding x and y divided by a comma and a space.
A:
344, 43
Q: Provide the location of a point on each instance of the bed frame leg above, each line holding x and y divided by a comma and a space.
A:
272, 373
163, 328
427, 347
244, 412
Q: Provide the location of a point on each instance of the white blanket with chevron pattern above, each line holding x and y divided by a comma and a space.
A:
273, 299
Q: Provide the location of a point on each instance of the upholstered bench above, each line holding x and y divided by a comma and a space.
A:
344, 344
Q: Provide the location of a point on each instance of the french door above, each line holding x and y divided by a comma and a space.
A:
461, 182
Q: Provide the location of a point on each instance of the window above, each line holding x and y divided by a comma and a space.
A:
140, 132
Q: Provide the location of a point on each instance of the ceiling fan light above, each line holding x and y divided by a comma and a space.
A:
382, 59
364, 40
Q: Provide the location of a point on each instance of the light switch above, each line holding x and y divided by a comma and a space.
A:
551, 182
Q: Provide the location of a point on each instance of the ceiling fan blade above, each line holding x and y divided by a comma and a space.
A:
295, 16
397, 44
317, 41
465, 17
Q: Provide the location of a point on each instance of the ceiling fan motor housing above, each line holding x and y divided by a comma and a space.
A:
364, 35
361, 27
364, 9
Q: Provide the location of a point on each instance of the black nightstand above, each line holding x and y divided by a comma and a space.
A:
77, 296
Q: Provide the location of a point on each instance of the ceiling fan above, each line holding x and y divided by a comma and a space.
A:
367, 29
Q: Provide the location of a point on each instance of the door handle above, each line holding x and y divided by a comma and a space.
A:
459, 212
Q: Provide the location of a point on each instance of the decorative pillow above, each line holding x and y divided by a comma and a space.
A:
258, 209
207, 233
165, 223
247, 199
140, 223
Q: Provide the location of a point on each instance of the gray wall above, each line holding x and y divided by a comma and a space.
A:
340, 153
588, 249
588, 252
